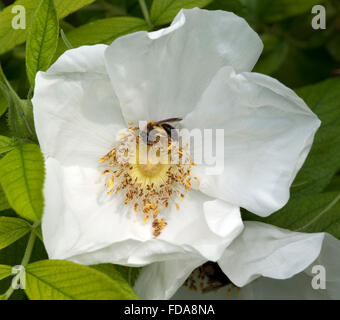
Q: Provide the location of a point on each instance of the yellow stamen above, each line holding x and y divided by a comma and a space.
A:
150, 185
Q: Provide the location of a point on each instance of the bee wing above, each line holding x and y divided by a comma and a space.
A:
168, 120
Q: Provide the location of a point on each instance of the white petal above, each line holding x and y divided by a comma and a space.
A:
298, 286
83, 224
78, 218
223, 218
194, 225
160, 280
265, 250
162, 74
76, 113
268, 132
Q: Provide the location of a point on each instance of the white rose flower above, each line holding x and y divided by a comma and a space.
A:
273, 263
196, 70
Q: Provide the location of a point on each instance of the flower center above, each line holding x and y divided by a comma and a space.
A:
149, 170
148, 167
209, 277
151, 175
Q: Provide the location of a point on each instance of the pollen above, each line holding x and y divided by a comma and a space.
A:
158, 225
147, 175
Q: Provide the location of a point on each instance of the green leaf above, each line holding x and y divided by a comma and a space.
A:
323, 161
274, 53
310, 213
64, 280
10, 37
12, 229
20, 112
164, 11
3, 104
12, 256
42, 39
304, 66
128, 274
38, 232
4, 130
20, 119
7, 144
102, 31
334, 185
22, 176
5, 271
4, 205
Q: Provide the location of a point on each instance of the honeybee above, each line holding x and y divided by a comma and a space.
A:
148, 134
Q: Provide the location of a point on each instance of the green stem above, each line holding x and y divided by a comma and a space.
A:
30, 245
63, 36
27, 255
9, 292
145, 13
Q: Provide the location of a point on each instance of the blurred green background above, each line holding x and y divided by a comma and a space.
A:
294, 52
